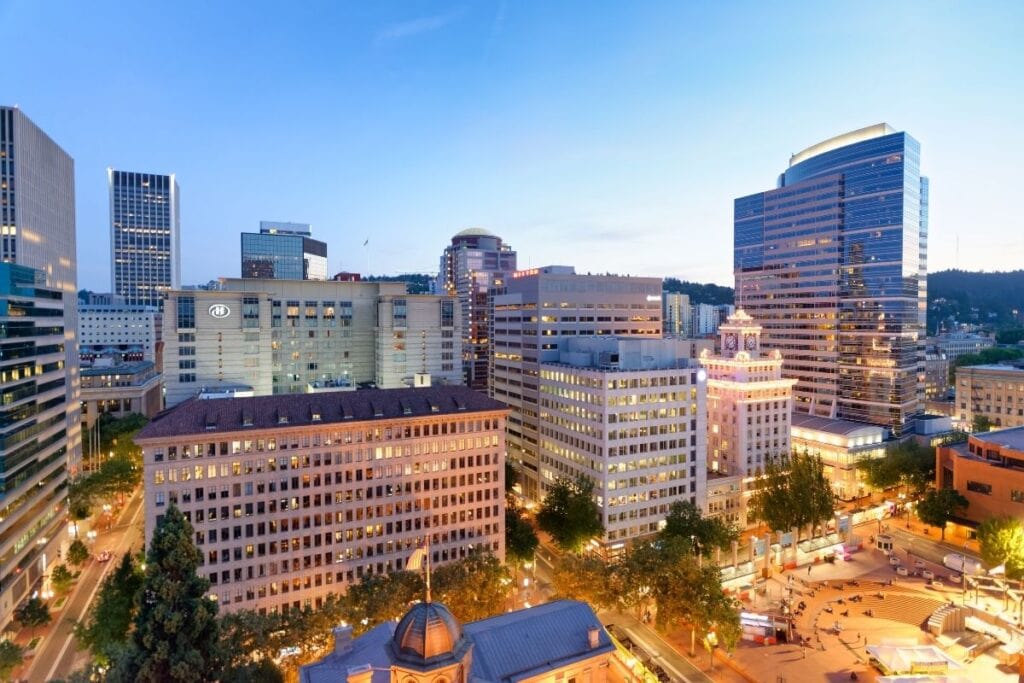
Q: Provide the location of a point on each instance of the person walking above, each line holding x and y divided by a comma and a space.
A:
809, 569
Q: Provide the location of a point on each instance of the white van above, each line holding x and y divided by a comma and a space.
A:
964, 565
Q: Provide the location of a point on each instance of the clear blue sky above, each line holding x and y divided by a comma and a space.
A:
609, 135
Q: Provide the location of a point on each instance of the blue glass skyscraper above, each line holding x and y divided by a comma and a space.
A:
832, 263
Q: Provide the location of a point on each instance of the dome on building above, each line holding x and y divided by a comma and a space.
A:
475, 232
427, 631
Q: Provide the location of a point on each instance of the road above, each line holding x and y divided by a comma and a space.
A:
55, 657
926, 548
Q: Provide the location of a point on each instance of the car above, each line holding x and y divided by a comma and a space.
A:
928, 574
902, 571
103, 556
894, 561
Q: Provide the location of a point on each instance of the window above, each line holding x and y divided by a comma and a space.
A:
1017, 496
251, 311
187, 377
186, 312
447, 313
979, 487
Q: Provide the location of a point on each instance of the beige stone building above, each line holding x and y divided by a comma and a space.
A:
293, 497
992, 391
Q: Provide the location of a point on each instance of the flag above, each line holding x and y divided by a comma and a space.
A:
416, 560
366, 242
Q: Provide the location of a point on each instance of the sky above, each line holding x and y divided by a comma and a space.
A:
612, 136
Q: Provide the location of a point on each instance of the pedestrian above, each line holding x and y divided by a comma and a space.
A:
809, 569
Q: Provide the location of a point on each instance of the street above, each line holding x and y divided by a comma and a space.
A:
56, 656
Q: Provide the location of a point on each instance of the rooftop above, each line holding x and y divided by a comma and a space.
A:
1008, 438
832, 426
197, 416
122, 369
474, 232
992, 367
860, 135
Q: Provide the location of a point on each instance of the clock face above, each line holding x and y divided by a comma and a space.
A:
730, 342
751, 342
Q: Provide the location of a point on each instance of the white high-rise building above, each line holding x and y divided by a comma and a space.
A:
630, 415
749, 406
676, 313
132, 332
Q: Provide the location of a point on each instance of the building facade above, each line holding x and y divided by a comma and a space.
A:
131, 332
296, 497
145, 236
474, 262
292, 336
120, 390
34, 448
956, 344
37, 230
675, 314
749, 401
988, 471
832, 264
531, 312
283, 251
629, 415
840, 444
995, 392
936, 375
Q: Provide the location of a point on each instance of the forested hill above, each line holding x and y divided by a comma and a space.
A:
973, 297
699, 293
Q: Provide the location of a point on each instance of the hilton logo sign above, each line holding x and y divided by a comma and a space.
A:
219, 311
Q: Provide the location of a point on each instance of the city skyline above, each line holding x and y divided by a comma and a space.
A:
404, 124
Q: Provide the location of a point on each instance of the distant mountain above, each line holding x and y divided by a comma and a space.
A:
699, 293
962, 296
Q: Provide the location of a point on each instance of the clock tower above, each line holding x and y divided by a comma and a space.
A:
740, 333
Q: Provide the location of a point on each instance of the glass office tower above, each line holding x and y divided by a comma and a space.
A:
145, 236
283, 251
832, 263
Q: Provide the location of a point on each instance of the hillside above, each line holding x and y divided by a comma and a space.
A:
699, 293
962, 296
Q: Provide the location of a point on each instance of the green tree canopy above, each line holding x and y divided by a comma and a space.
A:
586, 578
685, 521
11, 656
570, 515
176, 632
61, 578
982, 423
939, 506
104, 632
380, 597
78, 554
907, 464
794, 493
473, 588
1002, 543
32, 613
520, 537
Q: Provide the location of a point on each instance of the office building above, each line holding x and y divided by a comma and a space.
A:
630, 416
988, 471
992, 392
471, 265
145, 236
561, 640
955, 344
132, 333
295, 497
675, 314
283, 251
531, 311
840, 444
120, 389
832, 264
34, 450
936, 374
39, 359
705, 318
749, 401
293, 336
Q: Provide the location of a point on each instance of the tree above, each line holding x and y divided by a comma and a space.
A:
32, 613
982, 423
11, 656
906, 464
380, 597
570, 515
586, 578
794, 493
685, 521
175, 635
474, 588
1002, 543
117, 476
260, 671
104, 632
511, 477
81, 499
77, 553
520, 538
939, 506
61, 578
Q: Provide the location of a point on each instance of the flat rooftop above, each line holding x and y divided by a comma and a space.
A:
121, 369
197, 416
833, 426
1009, 438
